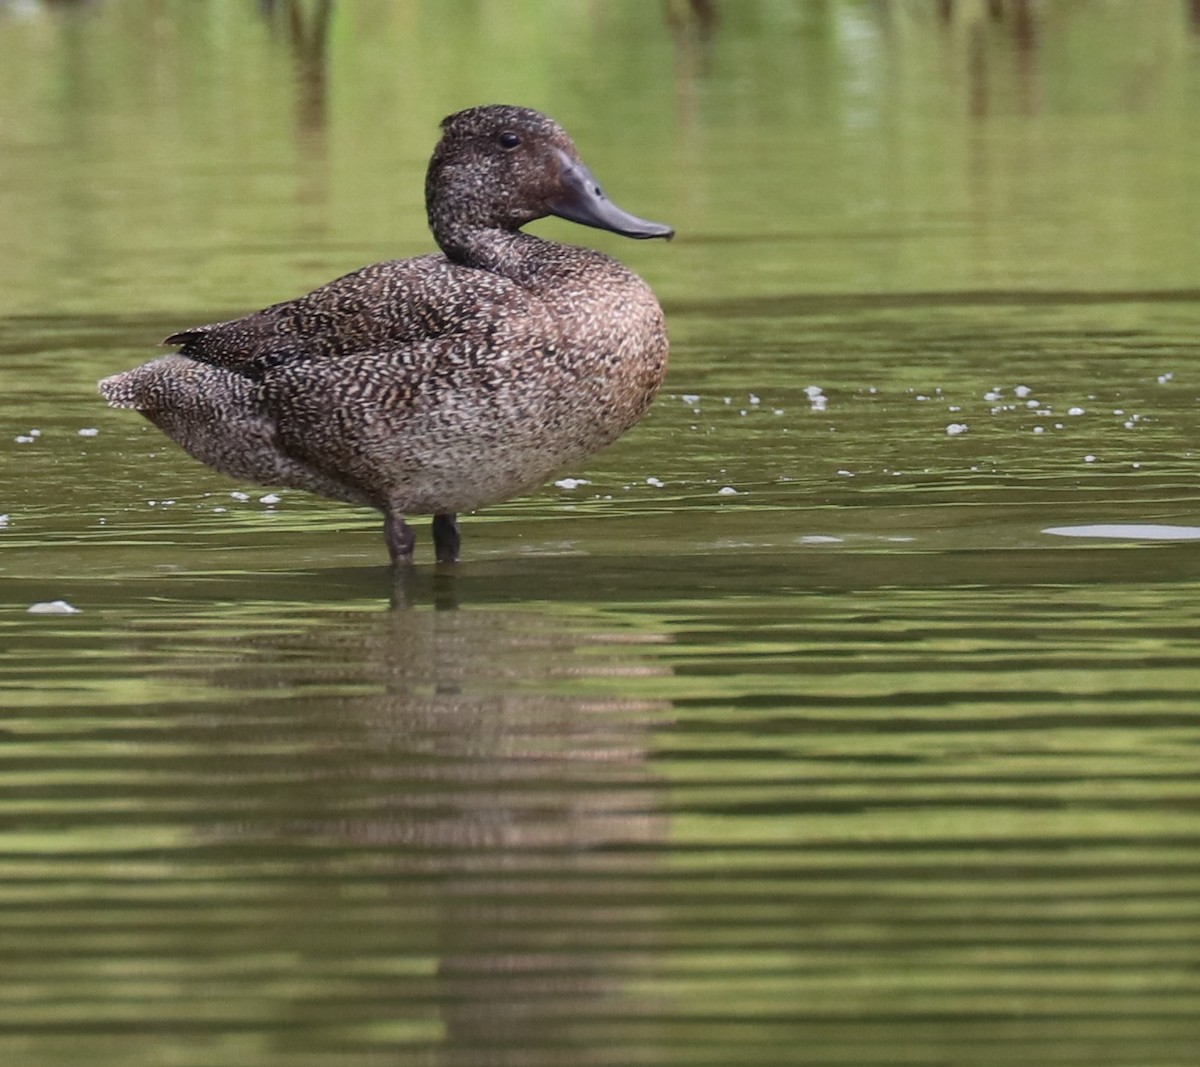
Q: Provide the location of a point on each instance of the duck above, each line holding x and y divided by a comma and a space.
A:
440, 384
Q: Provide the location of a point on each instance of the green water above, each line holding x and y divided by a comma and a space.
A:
856, 764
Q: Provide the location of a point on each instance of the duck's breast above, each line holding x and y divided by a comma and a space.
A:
612, 348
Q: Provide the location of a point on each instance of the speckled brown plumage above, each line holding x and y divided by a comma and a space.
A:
438, 384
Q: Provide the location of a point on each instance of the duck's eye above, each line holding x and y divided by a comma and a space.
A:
508, 139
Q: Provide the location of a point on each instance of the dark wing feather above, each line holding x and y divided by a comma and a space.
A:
384, 306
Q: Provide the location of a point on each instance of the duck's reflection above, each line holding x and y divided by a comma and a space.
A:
464, 789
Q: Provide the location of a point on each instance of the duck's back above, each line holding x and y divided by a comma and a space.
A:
386, 305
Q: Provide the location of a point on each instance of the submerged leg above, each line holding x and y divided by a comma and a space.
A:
400, 538
446, 541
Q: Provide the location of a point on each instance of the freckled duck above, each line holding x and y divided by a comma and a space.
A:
438, 384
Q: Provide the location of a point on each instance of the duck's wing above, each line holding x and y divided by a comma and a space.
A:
385, 306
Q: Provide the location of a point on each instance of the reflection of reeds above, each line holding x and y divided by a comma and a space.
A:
699, 13
307, 28
997, 10
693, 24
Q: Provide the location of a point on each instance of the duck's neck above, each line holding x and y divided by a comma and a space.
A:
506, 252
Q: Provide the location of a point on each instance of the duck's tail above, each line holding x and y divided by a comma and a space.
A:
120, 390
173, 383
216, 415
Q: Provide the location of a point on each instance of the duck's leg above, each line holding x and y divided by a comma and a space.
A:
400, 537
446, 540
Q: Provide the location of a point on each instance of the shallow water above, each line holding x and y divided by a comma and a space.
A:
844, 712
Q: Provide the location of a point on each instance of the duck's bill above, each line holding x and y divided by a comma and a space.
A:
582, 200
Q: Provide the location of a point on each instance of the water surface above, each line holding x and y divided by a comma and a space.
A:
842, 713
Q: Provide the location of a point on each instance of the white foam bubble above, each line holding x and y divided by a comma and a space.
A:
53, 607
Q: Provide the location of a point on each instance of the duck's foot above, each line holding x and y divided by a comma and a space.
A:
446, 539
400, 538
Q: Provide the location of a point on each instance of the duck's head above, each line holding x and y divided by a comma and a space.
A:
499, 167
